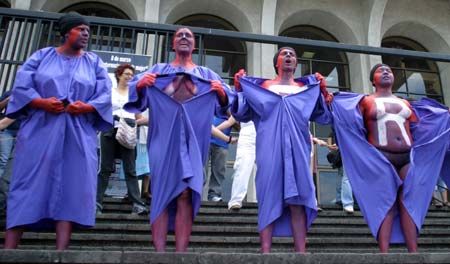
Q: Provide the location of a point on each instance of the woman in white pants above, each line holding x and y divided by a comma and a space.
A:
243, 167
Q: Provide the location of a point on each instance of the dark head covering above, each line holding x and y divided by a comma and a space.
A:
69, 21
374, 68
275, 57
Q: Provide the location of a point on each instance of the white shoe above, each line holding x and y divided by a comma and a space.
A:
349, 209
234, 207
216, 199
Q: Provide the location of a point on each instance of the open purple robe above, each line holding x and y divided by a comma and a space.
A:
178, 135
283, 148
374, 180
428, 106
55, 167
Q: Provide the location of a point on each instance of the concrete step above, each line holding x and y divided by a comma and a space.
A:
237, 219
196, 241
225, 230
218, 230
117, 206
50, 256
395, 248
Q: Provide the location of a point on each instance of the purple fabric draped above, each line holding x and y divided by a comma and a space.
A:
428, 106
55, 167
283, 147
374, 180
178, 135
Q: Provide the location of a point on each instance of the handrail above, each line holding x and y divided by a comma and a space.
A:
242, 36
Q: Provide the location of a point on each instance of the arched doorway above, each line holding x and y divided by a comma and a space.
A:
331, 64
5, 3
96, 9
414, 78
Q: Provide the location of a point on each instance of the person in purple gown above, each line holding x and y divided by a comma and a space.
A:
400, 152
182, 98
281, 110
63, 97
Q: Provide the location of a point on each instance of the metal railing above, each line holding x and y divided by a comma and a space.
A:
23, 32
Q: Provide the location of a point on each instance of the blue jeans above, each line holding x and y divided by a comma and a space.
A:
440, 186
7, 140
343, 188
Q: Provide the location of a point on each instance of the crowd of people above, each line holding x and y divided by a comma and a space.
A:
392, 152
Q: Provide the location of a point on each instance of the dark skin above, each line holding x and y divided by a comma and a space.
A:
76, 39
394, 137
286, 65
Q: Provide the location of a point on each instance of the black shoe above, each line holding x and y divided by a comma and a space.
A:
146, 197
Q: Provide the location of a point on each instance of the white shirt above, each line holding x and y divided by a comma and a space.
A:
284, 90
118, 101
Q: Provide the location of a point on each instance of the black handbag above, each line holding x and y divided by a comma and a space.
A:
334, 158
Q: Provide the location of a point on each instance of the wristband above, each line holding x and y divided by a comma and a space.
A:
229, 139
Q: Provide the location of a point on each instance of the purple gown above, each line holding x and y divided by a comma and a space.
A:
55, 167
374, 180
427, 107
178, 135
283, 148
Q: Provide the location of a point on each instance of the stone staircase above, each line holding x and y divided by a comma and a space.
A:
222, 236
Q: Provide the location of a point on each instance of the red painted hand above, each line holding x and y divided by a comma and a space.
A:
51, 104
321, 79
239, 74
323, 88
216, 86
147, 80
78, 107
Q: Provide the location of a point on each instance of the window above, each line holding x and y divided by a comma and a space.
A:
223, 56
105, 37
333, 65
414, 78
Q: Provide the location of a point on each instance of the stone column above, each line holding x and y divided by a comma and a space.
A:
268, 28
374, 38
151, 13
21, 4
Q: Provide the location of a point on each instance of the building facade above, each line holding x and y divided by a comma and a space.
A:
400, 24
